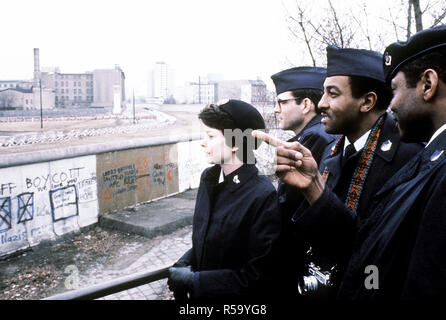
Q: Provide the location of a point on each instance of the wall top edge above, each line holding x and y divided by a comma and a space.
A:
17, 159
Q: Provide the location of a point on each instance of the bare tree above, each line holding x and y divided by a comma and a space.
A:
358, 24
409, 18
418, 15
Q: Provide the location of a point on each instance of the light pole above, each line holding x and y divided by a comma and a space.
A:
41, 112
134, 118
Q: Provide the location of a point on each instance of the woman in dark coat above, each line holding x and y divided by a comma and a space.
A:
236, 226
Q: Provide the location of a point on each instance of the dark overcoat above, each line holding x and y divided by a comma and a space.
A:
318, 223
313, 137
405, 235
235, 237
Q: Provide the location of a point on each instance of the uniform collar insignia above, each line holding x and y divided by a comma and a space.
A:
387, 59
235, 179
437, 154
386, 145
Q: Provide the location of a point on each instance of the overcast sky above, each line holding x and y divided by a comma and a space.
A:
241, 39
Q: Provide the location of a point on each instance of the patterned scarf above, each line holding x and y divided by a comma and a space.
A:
362, 169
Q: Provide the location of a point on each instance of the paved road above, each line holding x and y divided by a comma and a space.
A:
169, 249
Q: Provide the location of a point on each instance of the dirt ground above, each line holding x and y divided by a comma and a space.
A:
41, 271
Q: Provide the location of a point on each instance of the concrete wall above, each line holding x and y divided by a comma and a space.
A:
49, 194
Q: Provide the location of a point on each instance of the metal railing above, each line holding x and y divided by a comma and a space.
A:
113, 286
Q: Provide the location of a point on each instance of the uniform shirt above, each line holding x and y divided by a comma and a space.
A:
235, 237
359, 144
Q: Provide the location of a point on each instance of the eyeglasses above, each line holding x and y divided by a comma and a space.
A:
280, 102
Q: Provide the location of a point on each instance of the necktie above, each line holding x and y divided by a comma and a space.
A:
349, 151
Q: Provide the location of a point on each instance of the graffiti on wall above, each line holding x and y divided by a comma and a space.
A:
5, 214
42, 201
134, 177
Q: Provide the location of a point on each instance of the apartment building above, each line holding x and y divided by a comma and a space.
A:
98, 88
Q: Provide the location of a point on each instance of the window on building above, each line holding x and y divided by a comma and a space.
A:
80, 91
74, 83
66, 83
55, 83
75, 98
79, 83
75, 90
62, 91
66, 90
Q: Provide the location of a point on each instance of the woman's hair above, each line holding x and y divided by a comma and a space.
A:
213, 116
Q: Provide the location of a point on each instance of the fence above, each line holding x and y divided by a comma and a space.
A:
113, 286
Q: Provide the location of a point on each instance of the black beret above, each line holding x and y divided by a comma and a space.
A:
354, 62
244, 115
299, 78
398, 53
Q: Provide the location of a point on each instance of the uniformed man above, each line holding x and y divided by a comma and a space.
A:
399, 249
298, 91
365, 156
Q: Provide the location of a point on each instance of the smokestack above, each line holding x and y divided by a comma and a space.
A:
36, 67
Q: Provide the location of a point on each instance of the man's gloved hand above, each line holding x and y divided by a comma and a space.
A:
181, 280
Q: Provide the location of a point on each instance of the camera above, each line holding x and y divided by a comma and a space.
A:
314, 280
317, 280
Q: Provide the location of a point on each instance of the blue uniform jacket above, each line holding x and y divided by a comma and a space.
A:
386, 163
405, 236
235, 237
313, 137
320, 224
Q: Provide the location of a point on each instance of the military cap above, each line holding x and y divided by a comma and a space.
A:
244, 115
354, 62
401, 52
299, 78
